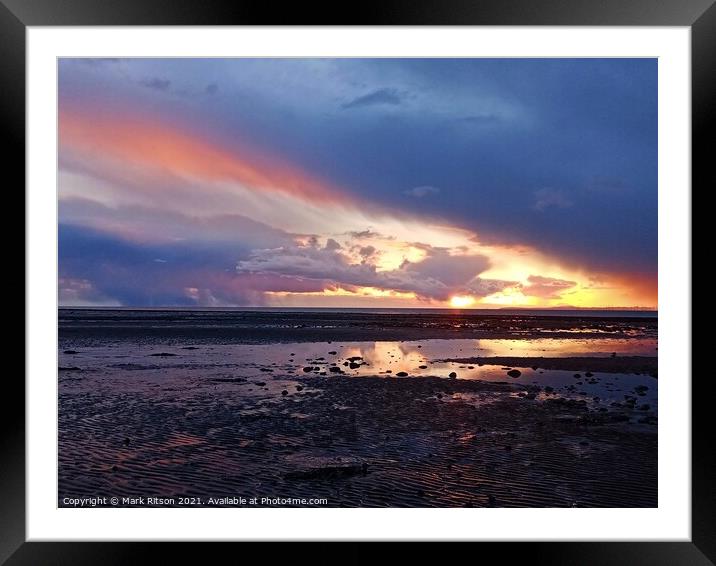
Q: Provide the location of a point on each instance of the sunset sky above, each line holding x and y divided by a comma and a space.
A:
358, 182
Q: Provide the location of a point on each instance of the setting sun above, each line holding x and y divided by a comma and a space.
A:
461, 301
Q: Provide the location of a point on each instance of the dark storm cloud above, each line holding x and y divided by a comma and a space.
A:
157, 257
124, 271
96, 266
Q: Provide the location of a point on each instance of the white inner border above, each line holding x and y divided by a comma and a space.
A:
670, 521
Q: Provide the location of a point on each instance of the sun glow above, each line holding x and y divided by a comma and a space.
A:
511, 297
461, 301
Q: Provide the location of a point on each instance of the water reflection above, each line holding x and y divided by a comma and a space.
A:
269, 366
421, 357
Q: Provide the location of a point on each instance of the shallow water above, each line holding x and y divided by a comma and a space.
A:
276, 364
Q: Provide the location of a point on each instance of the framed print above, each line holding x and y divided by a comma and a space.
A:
424, 275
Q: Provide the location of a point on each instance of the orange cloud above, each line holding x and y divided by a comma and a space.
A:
145, 142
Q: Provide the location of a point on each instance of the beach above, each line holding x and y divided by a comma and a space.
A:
357, 409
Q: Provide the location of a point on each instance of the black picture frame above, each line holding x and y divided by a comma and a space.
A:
699, 15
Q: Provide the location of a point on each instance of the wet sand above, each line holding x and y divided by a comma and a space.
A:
397, 424
101, 327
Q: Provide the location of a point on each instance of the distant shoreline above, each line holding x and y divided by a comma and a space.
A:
557, 312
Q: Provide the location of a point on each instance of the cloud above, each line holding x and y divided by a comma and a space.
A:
100, 268
331, 244
545, 198
437, 277
152, 226
479, 287
309, 261
139, 142
380, 97
156, 83
546, 287
368, 253
368, 235
81, 292
452, 270
422, 191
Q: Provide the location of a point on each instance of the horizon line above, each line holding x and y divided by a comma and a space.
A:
228, 307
